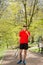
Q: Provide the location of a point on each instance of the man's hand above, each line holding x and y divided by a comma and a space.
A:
27, 33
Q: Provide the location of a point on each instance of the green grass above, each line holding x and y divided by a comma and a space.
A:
33, 45
2, 51
34, 50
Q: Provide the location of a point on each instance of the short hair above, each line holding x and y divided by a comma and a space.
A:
24, 25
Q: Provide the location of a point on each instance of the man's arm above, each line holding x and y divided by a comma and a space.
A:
28, 33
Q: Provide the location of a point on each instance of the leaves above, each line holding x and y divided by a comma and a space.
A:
12, 20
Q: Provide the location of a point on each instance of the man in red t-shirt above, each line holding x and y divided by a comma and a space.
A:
24, 35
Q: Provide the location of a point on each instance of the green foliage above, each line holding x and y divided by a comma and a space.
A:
12, 20
36, 28
34, 50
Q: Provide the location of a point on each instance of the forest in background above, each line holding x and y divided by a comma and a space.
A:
12, 18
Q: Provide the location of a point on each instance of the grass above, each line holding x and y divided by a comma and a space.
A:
32, 44
34, 49
2, 51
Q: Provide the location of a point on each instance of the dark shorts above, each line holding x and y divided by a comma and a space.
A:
24, 46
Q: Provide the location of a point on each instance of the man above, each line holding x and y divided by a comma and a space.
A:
24, 35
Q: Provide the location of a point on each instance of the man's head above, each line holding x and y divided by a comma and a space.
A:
24, 27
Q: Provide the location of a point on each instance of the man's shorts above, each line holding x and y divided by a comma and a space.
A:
24, 46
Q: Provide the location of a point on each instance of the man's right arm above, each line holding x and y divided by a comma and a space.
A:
28, 33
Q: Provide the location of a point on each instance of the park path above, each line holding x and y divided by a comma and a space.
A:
32, 58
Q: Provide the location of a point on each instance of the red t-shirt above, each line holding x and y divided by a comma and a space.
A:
24, 36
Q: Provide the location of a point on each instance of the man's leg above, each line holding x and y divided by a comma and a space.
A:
20, 54
24, 59
25, 53
20, 57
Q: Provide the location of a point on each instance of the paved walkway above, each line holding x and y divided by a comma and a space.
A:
32, 58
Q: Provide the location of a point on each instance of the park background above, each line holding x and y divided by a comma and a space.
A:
13, 15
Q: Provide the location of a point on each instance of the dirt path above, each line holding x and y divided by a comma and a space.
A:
32, 59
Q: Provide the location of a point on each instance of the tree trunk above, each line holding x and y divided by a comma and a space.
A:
34, 5
42, 50
25, 12
7, 45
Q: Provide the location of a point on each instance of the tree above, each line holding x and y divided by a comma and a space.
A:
25, 11
33, 10
3, 5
